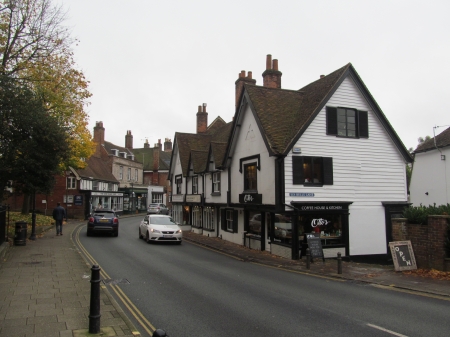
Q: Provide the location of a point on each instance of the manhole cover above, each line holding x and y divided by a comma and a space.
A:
113, 282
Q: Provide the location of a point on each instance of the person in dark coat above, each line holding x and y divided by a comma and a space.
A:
59, 214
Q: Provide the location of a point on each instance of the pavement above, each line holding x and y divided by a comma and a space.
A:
45, 284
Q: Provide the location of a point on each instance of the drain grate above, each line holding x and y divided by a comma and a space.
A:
114, 282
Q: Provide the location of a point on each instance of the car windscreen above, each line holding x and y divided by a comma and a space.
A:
161, 221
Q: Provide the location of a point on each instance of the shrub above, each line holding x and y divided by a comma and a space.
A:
419, 214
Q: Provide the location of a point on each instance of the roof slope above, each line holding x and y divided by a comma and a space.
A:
97, 169
283, 115
442, 140
145, 156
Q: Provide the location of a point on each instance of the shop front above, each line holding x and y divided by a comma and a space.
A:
113, 200
329, 221
134, 200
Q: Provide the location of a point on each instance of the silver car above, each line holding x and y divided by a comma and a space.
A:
156, 227
157, 209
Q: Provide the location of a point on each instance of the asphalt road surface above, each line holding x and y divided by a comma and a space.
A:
190, 291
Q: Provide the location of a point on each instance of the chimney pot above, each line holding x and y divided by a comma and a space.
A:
275, 65
250, 75
269, 62
322, 76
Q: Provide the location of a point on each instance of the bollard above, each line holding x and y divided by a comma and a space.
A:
308, 259
339, 260
159, 333
94, 312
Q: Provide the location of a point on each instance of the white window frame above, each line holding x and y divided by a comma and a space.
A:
195, 185
120, 172
197, 217
216, 182
71, 183
208, 218
129, 174
229, 219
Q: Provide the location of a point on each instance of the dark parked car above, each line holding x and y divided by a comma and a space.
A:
157, 209
103, 221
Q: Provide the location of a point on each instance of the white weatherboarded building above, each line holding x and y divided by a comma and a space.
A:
323, 159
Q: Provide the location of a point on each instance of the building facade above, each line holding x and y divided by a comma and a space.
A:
322, 161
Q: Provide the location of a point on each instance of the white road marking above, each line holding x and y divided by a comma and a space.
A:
386, 330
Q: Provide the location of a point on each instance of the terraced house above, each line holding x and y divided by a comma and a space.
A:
323, 159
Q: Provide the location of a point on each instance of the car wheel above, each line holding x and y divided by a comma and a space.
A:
147, 238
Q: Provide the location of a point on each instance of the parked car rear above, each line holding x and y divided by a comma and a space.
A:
156, 208
103, 221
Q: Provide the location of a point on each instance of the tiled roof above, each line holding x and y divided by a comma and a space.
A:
97, 169
145, 156
199, 160
442, 140
110, 146
284, 113
195, 146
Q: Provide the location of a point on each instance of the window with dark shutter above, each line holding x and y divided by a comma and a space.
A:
347, 122
363, 124
235, 221
297, 170
332, 121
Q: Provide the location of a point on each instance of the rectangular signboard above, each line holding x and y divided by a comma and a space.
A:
402, 255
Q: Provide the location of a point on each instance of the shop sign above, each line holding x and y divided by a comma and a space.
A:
106, 194
197, 198
250, 198
178, 198
301, 194
402, 255
322, 208
78, 200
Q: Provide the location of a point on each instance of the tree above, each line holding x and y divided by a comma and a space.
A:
421, 140
32, 141
35, 49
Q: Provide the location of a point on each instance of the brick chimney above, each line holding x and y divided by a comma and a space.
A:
271, 76
155, 175
99, 133
240, 83
167, 145
129, 140
146, 144
202, 119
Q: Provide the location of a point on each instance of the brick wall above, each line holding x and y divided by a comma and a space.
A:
428, 241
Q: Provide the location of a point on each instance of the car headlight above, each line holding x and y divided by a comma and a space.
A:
178, 231
155, 231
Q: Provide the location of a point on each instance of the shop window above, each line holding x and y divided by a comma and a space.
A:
197, 217
327, 226
282, 228
208, 218
250, 178
312, 170
254, 226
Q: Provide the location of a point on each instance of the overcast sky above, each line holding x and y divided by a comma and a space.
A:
152, 63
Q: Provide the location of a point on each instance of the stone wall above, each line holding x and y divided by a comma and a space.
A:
428, 241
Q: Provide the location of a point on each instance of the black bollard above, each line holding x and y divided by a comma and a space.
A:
339, 260
159, 333
94, 312
308, 259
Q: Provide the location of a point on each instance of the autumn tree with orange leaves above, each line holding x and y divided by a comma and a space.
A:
35, 52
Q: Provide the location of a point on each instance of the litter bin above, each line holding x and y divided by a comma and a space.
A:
20, 235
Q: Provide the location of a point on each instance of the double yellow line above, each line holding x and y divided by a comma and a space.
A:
146, 325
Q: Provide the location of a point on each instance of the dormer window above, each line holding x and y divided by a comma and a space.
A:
115, 152
124, 154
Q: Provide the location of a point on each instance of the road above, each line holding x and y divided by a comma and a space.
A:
188, 290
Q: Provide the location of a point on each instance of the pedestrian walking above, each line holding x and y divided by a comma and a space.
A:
59, 214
